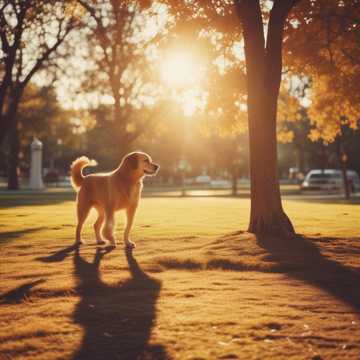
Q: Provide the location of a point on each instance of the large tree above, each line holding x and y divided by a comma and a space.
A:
263, 60
263, 69
31, 32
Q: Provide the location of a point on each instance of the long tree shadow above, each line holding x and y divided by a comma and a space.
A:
308, 264
29, 198
117, 320
7, 236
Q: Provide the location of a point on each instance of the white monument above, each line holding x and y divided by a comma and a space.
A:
36, 181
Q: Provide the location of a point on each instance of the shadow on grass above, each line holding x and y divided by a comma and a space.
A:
117, 320
58, 256
298, 258
8, 236
336, 279
24, 198
20, 293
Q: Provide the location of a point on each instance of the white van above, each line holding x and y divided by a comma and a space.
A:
330, 179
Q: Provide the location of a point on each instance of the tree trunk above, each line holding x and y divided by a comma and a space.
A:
14, 139
345, 180
267, 215
13, 161
3, 130
342, 160
300, 157
234, 179
263, 67
323, 157
121, 135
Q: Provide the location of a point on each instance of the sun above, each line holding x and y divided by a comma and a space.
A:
182, 73
180, 69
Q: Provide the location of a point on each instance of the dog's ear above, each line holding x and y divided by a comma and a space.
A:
132, 161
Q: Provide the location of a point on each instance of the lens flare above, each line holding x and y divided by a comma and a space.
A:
180, 69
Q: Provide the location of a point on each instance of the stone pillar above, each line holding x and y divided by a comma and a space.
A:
36, 181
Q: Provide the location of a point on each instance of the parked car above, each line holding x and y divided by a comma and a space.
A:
330, 179
220, 183
203, 180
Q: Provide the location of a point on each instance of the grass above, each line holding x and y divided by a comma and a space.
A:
197, 286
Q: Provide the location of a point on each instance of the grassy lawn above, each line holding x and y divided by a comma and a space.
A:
196, 287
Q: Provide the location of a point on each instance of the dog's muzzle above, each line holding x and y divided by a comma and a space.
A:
155, 169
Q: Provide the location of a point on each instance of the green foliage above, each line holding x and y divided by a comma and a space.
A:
41, 115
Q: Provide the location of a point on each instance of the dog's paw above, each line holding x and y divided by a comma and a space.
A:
129, 245
101, 242
112, 244
80, 242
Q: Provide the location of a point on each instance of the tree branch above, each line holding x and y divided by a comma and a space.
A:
249, 12
10, 53
47, 53
278, 15
3, 25
100, 31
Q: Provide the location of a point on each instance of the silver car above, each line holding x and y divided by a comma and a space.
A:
330, 179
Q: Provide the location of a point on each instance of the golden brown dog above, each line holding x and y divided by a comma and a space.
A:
109, 192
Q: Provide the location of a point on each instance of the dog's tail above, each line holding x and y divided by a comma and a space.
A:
77, 177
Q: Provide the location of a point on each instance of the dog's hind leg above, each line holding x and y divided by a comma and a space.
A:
108, 230
97, 226
83, 208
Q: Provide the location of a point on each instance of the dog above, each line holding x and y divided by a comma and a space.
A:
110, 192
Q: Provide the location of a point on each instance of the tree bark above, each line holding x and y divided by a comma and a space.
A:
263, 67
13, 162
3, 129
345, 179
342, 160
8, 117
300, 157
12, 131
234, 179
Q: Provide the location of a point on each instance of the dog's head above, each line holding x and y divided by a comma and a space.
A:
140, 164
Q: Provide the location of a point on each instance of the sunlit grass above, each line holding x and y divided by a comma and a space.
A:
211, 291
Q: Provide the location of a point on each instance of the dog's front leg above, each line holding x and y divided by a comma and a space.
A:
130, 213
109, 226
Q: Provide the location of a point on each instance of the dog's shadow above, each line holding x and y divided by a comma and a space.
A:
117, 320
58, 256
